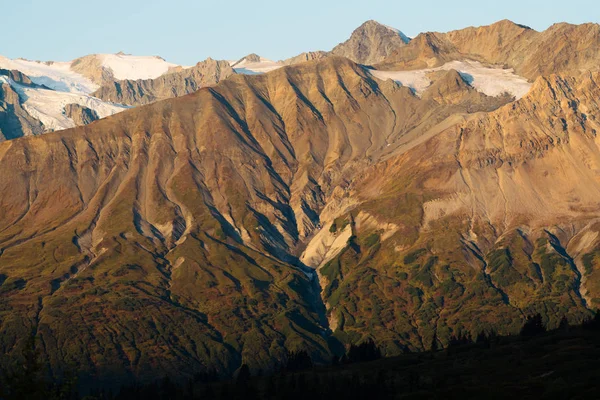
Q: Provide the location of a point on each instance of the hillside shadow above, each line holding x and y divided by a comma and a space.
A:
468, 78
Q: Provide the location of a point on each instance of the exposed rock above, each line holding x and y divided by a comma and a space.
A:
17, 77
81, 115
91, 67
370, 43
308, 56
529, 52
173, 84
15, 121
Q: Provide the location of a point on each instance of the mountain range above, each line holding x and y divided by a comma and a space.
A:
194, 219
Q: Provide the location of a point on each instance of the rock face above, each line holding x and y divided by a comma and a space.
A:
17, 76
370, 43
530, 53
81, 115
173, 84
15, 121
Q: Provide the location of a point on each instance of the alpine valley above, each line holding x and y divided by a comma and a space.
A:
166, 220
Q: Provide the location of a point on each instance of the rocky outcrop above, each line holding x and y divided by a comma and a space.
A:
80, 115
17, 77
370, 43
173, 84
91, 67
15, 121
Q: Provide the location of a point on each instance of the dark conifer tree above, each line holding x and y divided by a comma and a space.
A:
298, 361
243, 375
366, 351
564, 326
434, 343
533, 326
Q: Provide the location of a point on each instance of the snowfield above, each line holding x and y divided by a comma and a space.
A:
59, 76
66, 86
55, 75
493, 81
48, 105
125, 66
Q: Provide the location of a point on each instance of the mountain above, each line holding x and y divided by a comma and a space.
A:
311, 207
482, 222
528, 52
59, 95
168, 85
62, 95
371, 43
199, 242
32, 109
85, 74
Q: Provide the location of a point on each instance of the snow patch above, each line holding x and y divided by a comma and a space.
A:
124, 66
493, 81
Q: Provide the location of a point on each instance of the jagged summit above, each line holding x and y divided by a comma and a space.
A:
371, 43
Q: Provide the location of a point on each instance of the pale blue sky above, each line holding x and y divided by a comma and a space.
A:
186, 31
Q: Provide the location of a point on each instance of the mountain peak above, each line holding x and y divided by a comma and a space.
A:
371, 43
509, 23
252, 57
